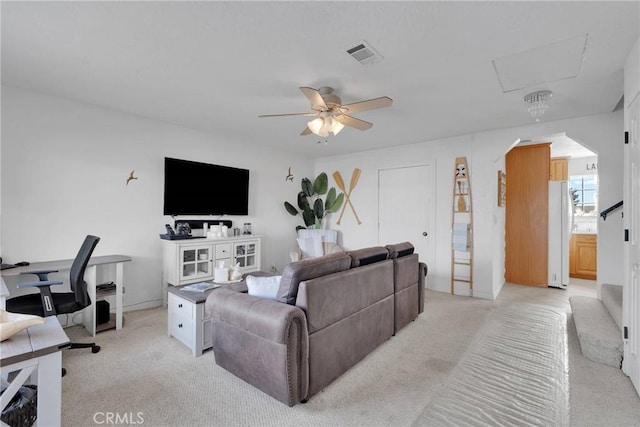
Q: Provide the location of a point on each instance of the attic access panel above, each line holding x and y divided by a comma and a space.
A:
556, 61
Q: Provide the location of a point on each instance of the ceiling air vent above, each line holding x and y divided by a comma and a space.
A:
364, 53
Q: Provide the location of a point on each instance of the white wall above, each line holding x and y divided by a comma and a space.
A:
632, 75
583, 166
485, 154
64, 166
439, 155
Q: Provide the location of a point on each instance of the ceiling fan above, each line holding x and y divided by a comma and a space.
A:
331, 115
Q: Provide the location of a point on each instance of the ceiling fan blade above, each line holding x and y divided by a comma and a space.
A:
370, 104
306, 131
314, 96
289, 114
353, 122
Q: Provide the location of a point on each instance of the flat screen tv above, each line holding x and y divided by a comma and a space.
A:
194, 188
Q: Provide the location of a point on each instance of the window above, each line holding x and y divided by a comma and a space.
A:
584, 191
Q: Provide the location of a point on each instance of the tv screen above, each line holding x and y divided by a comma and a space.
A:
194, 188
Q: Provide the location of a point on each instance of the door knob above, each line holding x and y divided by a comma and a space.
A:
425, 234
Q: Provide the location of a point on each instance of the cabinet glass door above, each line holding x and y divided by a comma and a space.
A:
251, 254
188, 262
245, 255
204, 256
195, 262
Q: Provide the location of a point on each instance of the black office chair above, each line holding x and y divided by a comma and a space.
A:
48, 303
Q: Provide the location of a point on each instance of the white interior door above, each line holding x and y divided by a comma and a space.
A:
406, 208
631, 292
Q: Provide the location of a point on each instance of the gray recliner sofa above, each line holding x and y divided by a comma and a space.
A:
330, 313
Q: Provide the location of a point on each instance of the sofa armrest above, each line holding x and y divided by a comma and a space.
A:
263, 342
422, 275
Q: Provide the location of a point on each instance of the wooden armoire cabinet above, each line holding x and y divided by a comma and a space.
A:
526, 215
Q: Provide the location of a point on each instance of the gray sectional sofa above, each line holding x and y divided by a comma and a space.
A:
330, 312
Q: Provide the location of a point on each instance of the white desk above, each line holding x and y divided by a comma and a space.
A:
89, 313
35, 352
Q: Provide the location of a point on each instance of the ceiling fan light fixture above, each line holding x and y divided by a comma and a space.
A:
333, 125
322, 126
330, 115
315, 125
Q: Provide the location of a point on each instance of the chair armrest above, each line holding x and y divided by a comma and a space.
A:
40, 283
44, 286
42, 274
263, 342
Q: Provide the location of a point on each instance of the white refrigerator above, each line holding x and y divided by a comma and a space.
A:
560, 224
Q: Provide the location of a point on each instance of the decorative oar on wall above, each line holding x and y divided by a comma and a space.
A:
355, 176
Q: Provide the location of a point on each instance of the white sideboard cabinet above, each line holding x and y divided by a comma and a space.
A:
194, 260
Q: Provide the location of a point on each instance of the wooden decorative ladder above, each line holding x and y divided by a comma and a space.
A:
461, 231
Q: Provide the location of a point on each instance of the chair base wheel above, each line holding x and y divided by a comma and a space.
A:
95, 349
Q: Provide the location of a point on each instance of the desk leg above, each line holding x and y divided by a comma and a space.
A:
89, 313
25, 370
50, 389
119, 292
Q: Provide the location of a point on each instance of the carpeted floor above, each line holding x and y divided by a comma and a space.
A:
144, 377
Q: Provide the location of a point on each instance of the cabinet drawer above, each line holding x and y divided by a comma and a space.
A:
223, 250
181, 328
180, 307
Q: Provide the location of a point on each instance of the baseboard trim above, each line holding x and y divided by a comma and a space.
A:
143, 306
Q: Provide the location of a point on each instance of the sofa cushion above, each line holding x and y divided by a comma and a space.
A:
263, 287
306, 269
362, 257
334, 297
400, 249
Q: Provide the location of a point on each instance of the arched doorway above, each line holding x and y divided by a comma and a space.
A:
537, 257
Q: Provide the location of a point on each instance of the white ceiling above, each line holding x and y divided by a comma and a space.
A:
216, 66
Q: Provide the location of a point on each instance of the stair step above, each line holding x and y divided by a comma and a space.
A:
600, 337
611, 296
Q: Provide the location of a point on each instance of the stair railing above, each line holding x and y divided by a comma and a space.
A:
610, 209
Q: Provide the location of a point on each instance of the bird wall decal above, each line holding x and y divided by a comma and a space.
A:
289, 176
131, 177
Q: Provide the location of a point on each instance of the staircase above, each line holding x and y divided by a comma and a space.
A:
599, 325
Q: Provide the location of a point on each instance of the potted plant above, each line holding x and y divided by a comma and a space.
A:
311, 207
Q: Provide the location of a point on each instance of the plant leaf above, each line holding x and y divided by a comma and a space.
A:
307, 188
299, 227
336, 204
303, 203
309, 217
290, 208
331, 198
318, 208
321, 183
